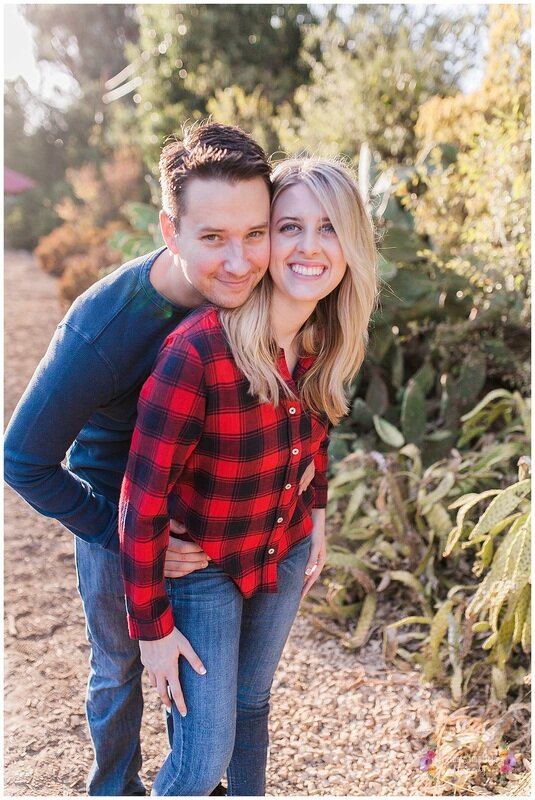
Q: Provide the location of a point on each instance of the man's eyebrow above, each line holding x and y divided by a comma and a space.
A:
212, 229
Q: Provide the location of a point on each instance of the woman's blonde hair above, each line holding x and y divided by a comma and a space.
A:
337, 330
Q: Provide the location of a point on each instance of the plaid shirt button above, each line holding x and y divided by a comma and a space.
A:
295, 451
292, 410
288, 486
280, 519
271, 551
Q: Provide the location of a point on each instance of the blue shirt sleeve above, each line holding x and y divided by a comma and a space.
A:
72, 381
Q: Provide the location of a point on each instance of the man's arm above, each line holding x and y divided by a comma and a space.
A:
70, 384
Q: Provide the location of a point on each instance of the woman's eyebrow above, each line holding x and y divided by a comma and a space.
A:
286, 217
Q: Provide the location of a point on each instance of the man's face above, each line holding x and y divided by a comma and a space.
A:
222, 246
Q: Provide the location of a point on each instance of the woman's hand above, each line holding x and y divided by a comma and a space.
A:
307, 477
183, 557
318, 550
160, 657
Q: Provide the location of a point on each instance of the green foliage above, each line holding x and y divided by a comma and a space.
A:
475, 203
463, 581
145, 234
253, 112
30, 215
188, 54
27, 218
375, 67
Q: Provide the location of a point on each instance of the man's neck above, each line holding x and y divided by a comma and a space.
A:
168, 280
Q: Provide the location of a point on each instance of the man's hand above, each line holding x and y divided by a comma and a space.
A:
307, 477
161, 660
183, 557
318, 551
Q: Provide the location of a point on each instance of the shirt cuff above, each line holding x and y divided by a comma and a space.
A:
321, 486
151, 630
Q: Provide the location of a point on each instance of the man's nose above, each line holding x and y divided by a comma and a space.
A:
236, 262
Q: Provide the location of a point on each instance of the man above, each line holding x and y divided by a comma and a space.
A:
83, 398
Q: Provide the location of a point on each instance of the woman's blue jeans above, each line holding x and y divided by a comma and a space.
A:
240, 643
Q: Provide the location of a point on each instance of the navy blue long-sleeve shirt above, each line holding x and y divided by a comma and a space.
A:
82, 401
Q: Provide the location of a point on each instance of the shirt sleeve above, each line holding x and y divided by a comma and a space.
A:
170, 421
71, 382
319, 482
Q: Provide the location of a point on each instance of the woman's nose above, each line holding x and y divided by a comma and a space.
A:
309, 241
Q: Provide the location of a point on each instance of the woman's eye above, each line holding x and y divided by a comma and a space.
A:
289, 227
327, 228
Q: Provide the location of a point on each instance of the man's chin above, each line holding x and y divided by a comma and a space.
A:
231, 302
230, 299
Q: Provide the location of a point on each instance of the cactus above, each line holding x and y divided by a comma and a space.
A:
471, 379
388, 432
361, 414
413, 413
425, 377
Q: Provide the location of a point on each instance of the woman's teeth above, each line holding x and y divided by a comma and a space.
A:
302, 270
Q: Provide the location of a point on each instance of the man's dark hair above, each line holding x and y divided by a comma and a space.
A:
208, 150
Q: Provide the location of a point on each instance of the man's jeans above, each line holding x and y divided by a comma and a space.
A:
114, 698
240, 643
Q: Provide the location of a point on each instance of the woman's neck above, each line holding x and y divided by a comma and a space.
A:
287, 319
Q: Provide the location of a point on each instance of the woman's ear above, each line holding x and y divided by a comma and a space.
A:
169, 233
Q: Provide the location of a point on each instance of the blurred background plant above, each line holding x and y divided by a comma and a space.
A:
438, 541
428, 515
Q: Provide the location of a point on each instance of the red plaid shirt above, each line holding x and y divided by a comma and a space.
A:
210, 455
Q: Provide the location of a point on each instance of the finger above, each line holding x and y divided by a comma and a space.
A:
152, 677
312, 563
311, 579
191, 656
190, 558
304, 484
180, 570
310, 568
161, 688
180, 546
310, 583
178, 697
177, 527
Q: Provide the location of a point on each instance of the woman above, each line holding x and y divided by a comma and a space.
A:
237, 407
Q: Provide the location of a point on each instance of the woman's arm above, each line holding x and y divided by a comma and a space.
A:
170, 422
318, 549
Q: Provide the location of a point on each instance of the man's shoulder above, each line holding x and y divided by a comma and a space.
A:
127, 288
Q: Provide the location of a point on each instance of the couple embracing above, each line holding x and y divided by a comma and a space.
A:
194, 389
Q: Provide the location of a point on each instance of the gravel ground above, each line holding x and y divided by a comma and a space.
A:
341, 723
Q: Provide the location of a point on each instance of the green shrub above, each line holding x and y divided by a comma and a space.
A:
27, 218
392, 530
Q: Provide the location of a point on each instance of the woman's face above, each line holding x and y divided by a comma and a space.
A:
306, 261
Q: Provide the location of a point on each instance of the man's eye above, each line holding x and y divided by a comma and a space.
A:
210, 237
256, 234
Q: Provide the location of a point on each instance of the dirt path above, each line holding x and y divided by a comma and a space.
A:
341, 725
